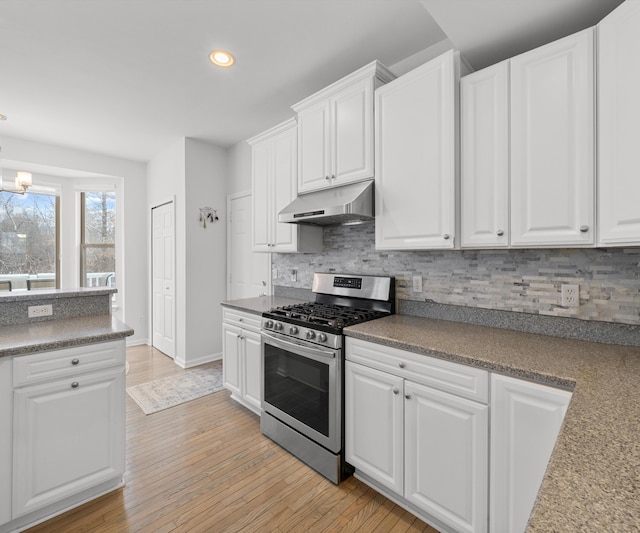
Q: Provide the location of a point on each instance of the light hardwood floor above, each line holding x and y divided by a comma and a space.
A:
204, 466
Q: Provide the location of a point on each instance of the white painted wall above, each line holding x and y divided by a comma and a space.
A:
239, 168
205, 258
63, 161
194, 174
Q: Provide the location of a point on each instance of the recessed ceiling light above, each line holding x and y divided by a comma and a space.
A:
222, 58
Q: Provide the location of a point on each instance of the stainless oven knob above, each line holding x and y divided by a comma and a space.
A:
278, 326
322, 337
293, 330
311, 334
268, 324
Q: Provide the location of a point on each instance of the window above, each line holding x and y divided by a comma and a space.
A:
97, 239
29, 240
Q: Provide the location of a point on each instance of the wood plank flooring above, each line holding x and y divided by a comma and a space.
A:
204, 466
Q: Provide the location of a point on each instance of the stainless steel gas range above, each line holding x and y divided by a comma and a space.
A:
303, 362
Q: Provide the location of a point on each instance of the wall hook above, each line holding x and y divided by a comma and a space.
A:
208, 213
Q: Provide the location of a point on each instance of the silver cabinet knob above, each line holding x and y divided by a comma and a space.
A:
75, 385
584, 228
333, 176
395, 390
407, 396
445, 236
75, 362
327, 178
499, 233
401, 365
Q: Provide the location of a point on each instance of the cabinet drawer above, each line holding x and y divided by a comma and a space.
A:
44, 366
241, 319
446, 376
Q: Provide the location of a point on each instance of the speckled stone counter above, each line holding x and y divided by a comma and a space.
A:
23, 339
592, 483
259, 304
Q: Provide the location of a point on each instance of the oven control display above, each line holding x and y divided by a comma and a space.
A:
347, 283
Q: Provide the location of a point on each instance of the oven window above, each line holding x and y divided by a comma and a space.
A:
297, 386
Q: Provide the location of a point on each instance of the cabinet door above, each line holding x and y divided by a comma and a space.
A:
68, 436
374, 424
484, 146
415, 135
525, 422
314, 147
231, 365
262, 199
352, 145
618, 120
552, 144
252, 369
284, 189
446, 457
6, 434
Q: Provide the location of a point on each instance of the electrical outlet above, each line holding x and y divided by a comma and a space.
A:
570, 295
39, 310
294, 275
417, 283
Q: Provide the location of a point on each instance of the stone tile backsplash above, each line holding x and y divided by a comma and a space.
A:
512, 280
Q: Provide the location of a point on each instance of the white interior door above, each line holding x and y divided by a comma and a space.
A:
248, 271
163, 274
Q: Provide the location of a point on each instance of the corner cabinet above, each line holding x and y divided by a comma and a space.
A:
416, 177
335, 130
68, 430
416, 429
618, 133
525, 421
242, 357
274, 186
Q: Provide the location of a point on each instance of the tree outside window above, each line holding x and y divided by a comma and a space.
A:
28, 238
97, 237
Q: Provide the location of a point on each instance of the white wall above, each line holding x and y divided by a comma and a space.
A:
205, 258
239, 168
193, 173
67, 161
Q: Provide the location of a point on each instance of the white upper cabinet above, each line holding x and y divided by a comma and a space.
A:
484, 156
274, 169
416, 157
619, 127
552, 144
335, 131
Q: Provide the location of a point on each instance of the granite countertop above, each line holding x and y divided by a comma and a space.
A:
592, 482
45, 294
259, 304
23, 339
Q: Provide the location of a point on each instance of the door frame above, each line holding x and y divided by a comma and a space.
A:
172, 201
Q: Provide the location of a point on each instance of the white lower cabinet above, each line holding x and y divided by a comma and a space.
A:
242, 358
6, 416
68, 436
404, 433
525, 421
62, 430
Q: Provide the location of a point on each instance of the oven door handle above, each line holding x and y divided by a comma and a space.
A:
307, 351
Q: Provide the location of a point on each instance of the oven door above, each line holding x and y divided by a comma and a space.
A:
301, 387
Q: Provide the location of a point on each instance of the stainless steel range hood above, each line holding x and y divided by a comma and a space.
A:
346, 204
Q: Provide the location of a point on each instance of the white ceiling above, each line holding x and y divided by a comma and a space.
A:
129, 77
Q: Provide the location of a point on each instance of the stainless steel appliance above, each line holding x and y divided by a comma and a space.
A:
303, 361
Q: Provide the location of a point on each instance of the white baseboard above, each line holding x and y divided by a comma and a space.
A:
198, 361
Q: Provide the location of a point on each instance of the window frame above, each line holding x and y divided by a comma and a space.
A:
84, 245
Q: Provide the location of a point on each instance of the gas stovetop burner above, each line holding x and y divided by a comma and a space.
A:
334, 316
